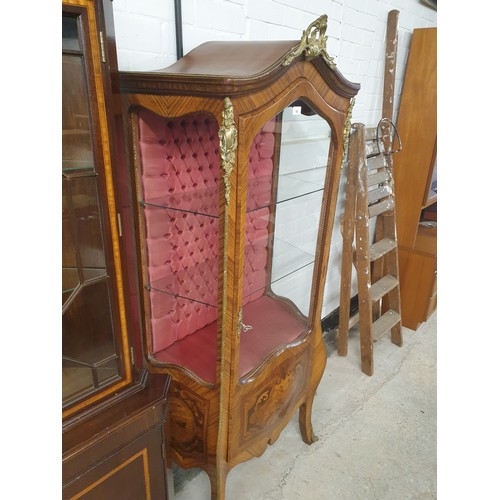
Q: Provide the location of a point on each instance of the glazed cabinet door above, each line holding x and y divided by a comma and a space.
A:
286, 172
95, 352
289, 164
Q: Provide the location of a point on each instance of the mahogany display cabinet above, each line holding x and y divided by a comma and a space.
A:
236, 150
113, 410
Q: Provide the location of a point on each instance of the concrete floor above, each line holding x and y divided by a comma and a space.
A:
377, 435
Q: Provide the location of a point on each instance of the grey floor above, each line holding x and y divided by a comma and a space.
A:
377, 435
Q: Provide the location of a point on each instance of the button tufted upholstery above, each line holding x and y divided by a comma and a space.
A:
180, 169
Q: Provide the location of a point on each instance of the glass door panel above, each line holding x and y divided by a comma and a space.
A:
288, 163
89, 345
77, 151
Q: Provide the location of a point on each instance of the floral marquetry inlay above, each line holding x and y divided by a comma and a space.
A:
273, 401
188, 420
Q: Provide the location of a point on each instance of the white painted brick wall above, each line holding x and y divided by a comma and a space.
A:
356, 30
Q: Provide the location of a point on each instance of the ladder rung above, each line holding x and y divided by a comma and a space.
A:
370, 133
382, 287
371, 148
376, 162
353, 321
384, 323
380, 248
377, 178
379, 193
381, 207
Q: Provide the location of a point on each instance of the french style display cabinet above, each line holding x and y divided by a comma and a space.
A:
113, 411
237, 151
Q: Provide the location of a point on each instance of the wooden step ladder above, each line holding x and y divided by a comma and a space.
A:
370, 194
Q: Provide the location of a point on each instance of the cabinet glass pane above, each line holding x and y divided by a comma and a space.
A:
288, 161
77, 380
88, 343
70, 277
83, 247
77, 151
87, 214
179, 178
89, 346
70, 40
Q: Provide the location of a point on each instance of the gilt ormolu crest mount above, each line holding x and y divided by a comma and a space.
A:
231, 301
312, 43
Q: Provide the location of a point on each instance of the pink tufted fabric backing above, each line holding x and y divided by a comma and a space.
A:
180, 168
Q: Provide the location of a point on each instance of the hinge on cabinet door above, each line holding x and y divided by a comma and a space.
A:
163, 451
132, 357
103, 53
119, 219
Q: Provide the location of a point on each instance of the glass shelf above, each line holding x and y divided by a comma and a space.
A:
203, 201
287, 260
206, 201
290, 187
198, 283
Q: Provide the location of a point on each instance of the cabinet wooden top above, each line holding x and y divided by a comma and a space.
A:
228, 68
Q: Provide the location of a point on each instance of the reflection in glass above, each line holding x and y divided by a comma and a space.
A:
305, 142
281, 231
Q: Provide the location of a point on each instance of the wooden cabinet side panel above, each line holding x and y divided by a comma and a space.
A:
418, 278
417, 126
135, 472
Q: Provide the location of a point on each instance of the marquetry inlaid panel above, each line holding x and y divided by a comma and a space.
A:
188, 413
